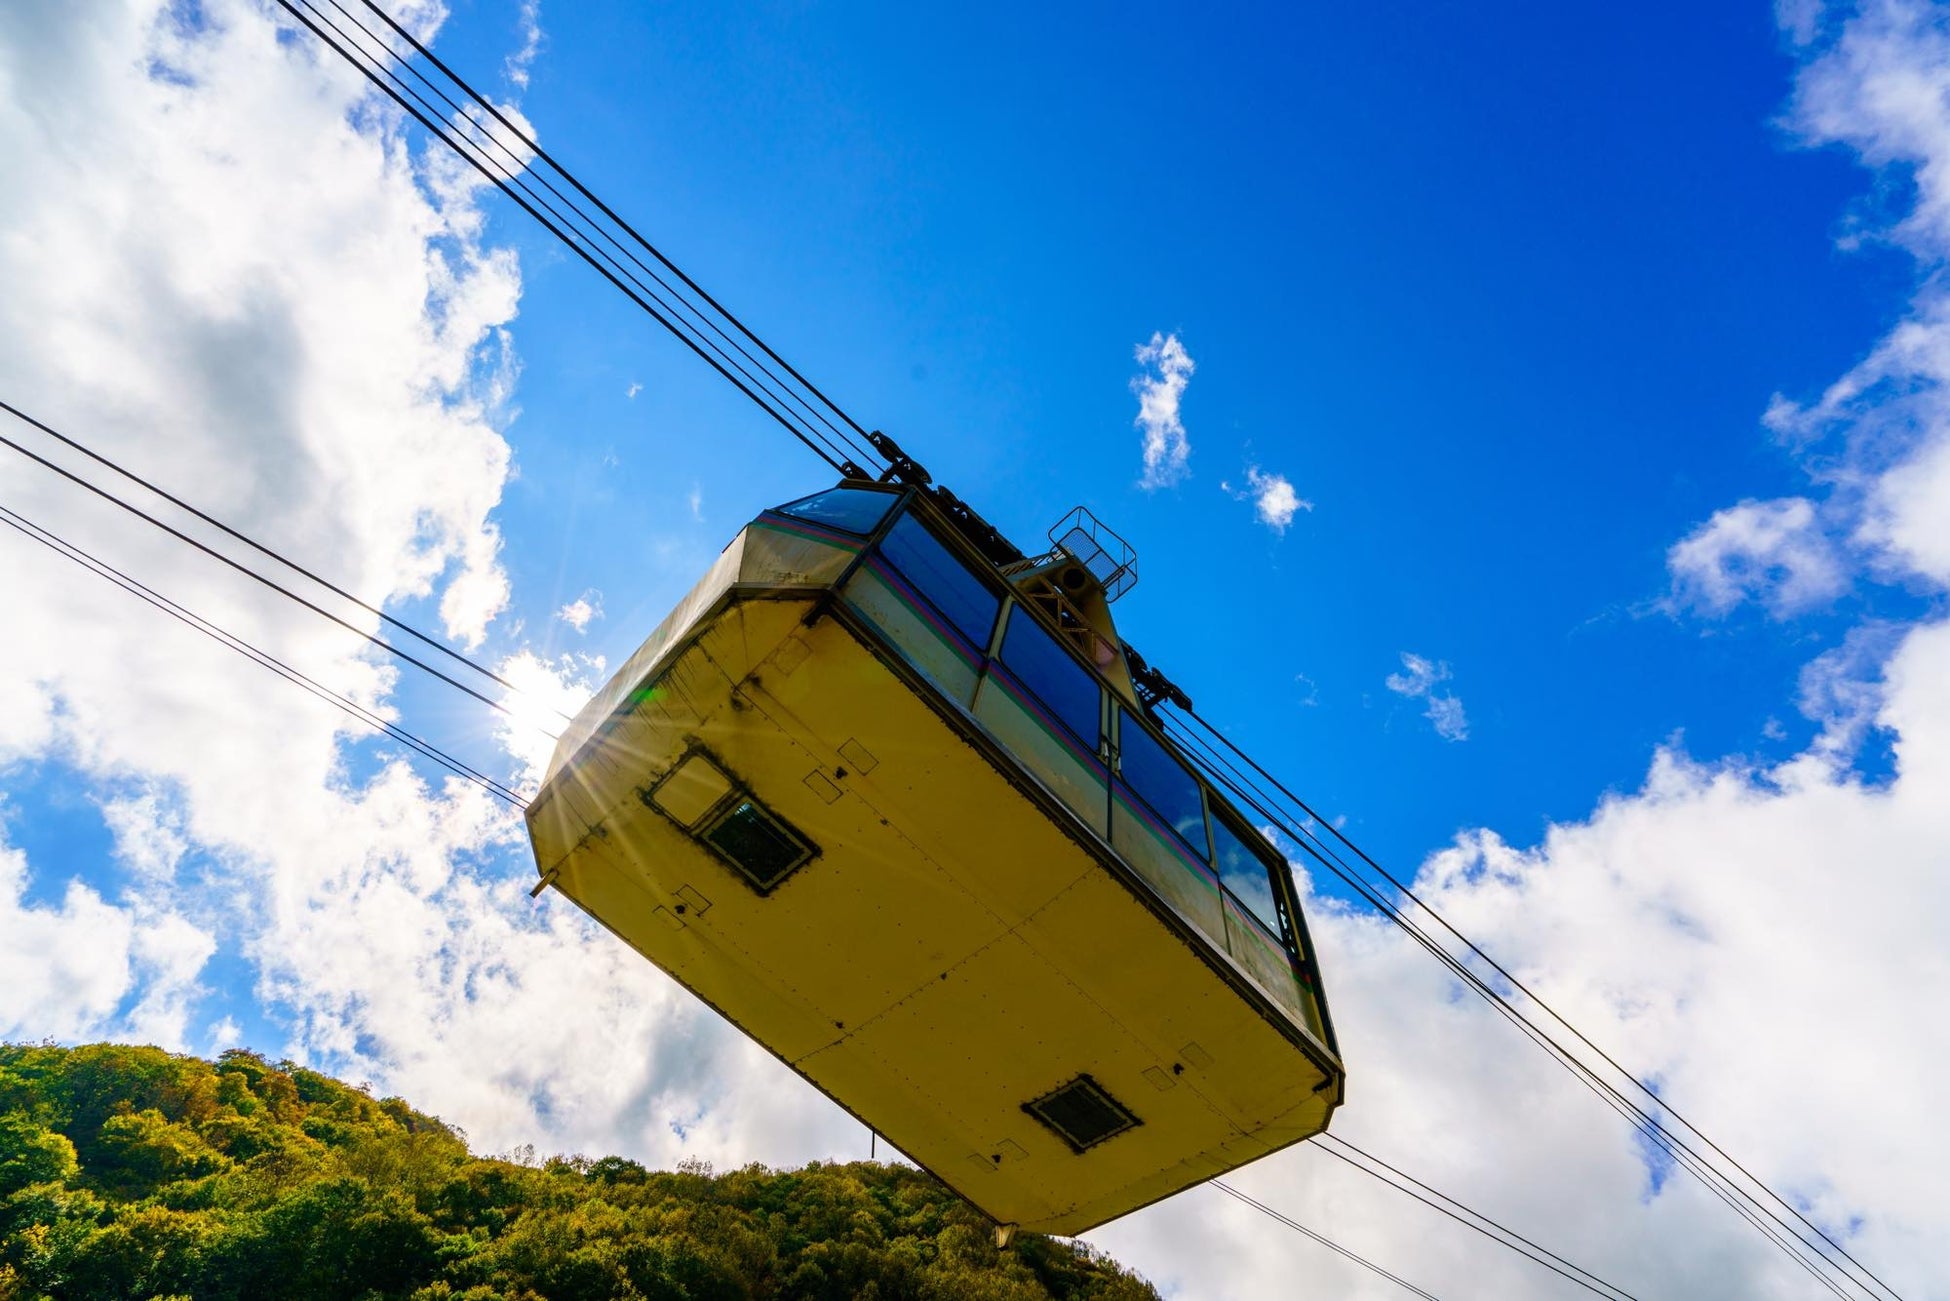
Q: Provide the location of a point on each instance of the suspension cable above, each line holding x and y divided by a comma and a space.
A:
54, 542
1710, 1178
536, 151
585, 235
247, 571
259, 547
1500, 1234
1324, 1241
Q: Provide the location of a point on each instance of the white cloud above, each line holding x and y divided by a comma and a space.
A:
1876, 443
1773, 552
1273, 498
529, 23
85, 967
634, 389
1160, 390
1420, 681
582, 611
232, 251
695, 500
1843, 689
546, 695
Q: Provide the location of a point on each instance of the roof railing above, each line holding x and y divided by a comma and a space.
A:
1097, 547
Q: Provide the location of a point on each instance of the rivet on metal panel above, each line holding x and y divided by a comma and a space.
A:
1159, 1079
698, 903
821, 785
859, 756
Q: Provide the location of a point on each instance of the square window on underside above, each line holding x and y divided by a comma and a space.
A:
760, 846
1082, 1113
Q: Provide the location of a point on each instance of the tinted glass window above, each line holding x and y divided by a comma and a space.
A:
968, 603
1066, 688
1245, 872
852, 510
1163, 782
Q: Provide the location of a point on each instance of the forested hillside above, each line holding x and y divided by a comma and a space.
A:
132, 1173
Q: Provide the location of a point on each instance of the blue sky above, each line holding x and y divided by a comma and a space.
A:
1603, 352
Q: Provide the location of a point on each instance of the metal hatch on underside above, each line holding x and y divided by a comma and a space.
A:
1082, 1113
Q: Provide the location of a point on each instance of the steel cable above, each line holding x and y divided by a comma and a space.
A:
54, 542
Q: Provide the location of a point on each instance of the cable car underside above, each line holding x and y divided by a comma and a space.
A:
833, 816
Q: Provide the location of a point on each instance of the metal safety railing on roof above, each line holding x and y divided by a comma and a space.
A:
1098, 548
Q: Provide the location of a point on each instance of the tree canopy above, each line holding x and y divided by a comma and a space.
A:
129, 1172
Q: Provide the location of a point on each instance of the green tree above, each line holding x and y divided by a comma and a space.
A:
130, 1172
30, 1153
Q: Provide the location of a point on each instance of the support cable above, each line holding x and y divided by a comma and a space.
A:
1709, 1177
1481, 1223
378, 72
537, 152
1324, 1241
1499, 970
583, 190
1736, 1199
248, 572
282, 559
54, 542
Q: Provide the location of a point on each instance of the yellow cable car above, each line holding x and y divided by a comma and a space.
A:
888, 796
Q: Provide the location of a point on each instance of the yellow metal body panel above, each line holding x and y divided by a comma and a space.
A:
952, 952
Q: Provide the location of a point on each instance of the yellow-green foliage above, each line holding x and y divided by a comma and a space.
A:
132, 1173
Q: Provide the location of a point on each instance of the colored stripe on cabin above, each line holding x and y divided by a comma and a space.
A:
1019, 691
1167, 836
805, 529
923, 609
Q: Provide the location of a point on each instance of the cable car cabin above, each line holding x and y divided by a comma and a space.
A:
899, 813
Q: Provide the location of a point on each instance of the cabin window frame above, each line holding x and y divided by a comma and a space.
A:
1095, 745
1204, 855
905, 513
1278, 877
894, 502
